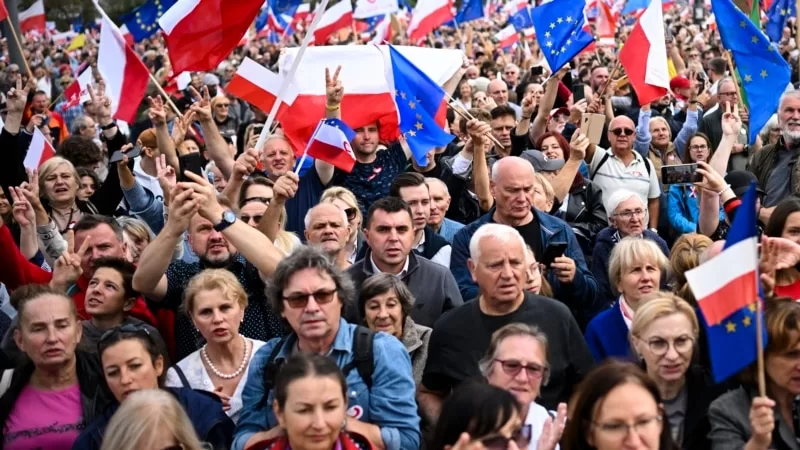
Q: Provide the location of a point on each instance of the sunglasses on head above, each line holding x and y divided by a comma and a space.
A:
139, 330
521, 436
350, 213
621, 131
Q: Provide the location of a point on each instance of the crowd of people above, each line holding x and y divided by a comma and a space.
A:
166, 284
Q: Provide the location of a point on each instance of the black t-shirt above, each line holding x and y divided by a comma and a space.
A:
532, 234
462, 335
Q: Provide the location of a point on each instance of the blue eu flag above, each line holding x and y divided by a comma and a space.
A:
469, 10
763, 71
262, 19
284, 6
418, 99
778, 13
560, 30
522, 19
142, 22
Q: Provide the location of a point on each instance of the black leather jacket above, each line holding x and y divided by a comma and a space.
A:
585, 214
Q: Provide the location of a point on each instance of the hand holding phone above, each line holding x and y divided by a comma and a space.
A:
553, 251
680, 174
132, 153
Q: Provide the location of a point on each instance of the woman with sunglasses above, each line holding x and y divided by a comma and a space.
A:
131, 362
215, 302
479, 416
151, 419
664, 334
617, 407
311, 407
516, 361
347, 202
56, 389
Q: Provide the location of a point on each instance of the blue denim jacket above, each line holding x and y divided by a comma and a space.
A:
390, 404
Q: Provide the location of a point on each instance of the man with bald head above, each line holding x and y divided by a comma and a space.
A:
620, 167
328, 228
498, 90
512, 184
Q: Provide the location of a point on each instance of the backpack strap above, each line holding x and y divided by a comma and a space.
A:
182, 376
271, 370
362, 355
602, 162
647, 165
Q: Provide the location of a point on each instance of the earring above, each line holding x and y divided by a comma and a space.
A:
344, 423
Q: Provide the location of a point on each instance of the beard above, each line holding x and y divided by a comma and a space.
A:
217, 263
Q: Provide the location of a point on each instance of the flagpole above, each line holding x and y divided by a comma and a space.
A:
467, 116
19, 46
797, 31
164, 93
299, 165
610, 78
762, 385
290, 76
732, 68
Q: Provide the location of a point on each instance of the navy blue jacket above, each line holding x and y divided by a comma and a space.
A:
607, 335
203, 408
579, 295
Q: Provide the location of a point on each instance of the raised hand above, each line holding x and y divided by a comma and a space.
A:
202, 107
167, 178
246, 163
17, 97
204, 195
285, 188
528, 106
67, 268
182, 208
478, 130
762, 421
157, 113
22, 209
334, 91
712, 180
181, 126
731, 120
578, 145
101, 104
553, 429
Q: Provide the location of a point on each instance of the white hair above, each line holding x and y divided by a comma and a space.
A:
430, 181
307, 219
502, 233
508, 160
619, 196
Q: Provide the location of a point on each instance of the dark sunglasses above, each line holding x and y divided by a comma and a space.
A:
521, 436
620, 131
351, 213
298, 301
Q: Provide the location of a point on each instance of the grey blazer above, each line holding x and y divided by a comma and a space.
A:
730, 423
416, 338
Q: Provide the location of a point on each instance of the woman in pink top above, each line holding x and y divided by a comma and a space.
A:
55, 391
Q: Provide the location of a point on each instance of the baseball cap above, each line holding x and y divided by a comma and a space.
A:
558, 111
740, 181
540, 162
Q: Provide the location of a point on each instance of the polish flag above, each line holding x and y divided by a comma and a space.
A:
126, 34
334, 19
78, 91
125, 75
507, 37
3, 11
331, 143
202, 33
428, 16
302, 13
259, 86
605, 24
32, 19
648, 75
39, 151
367, 99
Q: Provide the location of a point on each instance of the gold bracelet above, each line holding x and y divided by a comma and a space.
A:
331, 107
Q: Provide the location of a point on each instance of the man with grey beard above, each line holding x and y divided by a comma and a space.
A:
775, 165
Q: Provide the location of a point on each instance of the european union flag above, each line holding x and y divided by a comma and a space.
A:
469, 10
288, 7
763, 71
732, 343
778, 13
418, 99
522, 19
142, 22
560, 30
262, 19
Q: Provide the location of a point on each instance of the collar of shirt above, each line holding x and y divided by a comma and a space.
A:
420, 247
375, 268
626, 310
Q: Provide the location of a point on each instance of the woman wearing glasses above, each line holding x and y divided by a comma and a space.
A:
215, 302
47, 400
627, 216
636, 270
479, 416
516, 361
131, 363
617, 407
347, 202
664, 335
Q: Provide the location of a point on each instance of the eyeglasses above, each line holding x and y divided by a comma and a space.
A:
628, 214
297, 301
256, 218
619, 430
521, 436
620, 131
681, 344
727, 94
351, 213
512, 367
222, 105
694, 55
697, 148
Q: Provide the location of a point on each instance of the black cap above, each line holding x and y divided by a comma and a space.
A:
740, 181
540, 162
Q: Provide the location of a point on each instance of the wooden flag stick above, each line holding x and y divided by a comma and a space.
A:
610, 78
762, 384
19, 46
732, 68
467, 116
164, 93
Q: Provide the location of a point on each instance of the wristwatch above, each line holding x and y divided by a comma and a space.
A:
228, 217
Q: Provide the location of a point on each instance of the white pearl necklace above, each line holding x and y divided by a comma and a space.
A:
227, 376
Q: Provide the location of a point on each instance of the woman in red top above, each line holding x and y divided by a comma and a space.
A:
311, 406
785, 223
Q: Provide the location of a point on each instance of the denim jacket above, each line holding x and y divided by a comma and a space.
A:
389, 404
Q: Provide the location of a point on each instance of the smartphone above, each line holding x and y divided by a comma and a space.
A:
132, 153
553, 251
592, 127
193, 162
537, 71
578, 92
680, 174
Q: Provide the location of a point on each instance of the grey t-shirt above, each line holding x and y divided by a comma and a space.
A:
779, 182
675, 409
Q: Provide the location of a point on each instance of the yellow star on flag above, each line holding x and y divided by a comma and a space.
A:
752, 307
754, 40
730, 327
748, 78
763, 73
746, 321
418, 125
412, 105
412, 133
402, 95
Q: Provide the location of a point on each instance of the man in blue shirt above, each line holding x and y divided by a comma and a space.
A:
310, 292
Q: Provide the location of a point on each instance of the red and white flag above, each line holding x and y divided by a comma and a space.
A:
427, 16
32, 19
259, 86
3, 11
39, 151
507, 37
335, 18
125, 75
202, 33
644, 56
78, 91
605, 24
331, 143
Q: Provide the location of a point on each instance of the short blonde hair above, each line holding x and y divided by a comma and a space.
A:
136, 228
211, 279
135, 424
51, 165
345, 195
631, 250
658, 305
546, 186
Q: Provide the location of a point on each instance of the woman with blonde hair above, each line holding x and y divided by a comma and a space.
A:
136, 234
150, 419
347, 202
215, 302
685, 256
664, 335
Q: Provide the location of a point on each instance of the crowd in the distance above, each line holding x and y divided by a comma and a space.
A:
526, 288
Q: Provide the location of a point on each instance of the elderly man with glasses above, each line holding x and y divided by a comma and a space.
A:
711, 125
